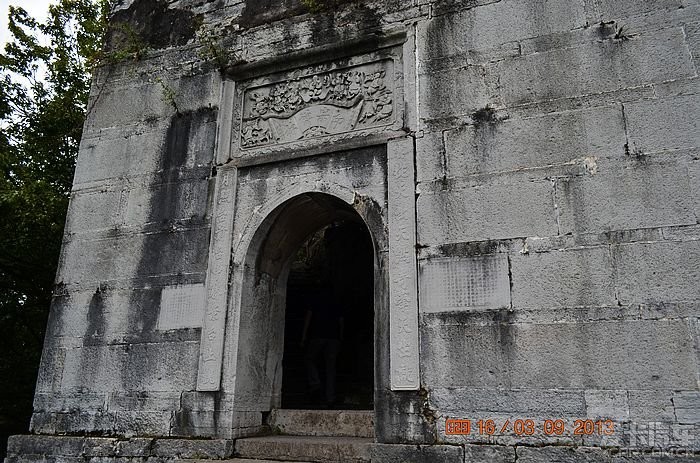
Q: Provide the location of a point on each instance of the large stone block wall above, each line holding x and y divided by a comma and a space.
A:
138, 226
557, 180
556, 177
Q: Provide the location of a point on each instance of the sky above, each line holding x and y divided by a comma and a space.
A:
36, 8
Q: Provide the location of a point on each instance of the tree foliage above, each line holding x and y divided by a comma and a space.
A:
44, 87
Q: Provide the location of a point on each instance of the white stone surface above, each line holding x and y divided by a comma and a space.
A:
181, 306
453, 283
212, 344
403, 296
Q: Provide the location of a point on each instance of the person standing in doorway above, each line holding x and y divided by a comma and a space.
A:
322, 336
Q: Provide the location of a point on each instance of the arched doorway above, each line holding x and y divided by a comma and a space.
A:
336, 262
271, 276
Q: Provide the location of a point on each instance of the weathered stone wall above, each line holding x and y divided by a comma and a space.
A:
557, 215
555, 147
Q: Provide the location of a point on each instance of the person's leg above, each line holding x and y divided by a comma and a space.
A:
312, 351
331, 354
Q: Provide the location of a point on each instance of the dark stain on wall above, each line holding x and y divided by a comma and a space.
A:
151, 23
96, 318
143, 313
472, 248
182, 189
187, 420
400, 418
175, 250
325, 28
257, 12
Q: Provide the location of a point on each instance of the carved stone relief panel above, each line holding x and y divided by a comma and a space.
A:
310, 106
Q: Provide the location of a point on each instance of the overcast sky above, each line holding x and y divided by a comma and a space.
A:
36, 8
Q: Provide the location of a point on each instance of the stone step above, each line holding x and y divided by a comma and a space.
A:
342, 423
243, 460
305, 448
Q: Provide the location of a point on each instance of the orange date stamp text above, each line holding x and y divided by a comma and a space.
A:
529, 427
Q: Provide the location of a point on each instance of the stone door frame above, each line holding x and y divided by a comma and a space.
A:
398, 269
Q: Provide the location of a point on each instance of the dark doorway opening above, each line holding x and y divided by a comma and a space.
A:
335, 266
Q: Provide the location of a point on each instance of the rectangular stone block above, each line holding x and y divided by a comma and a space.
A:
204, 424
399, 453
98, 447
169, 151
134, 447
184, 200
539, 141
476, 403
195, 448
455, 283
647, 405
562, 455
39, 445
95, 209
487, 26
111, 316
559, 40
403, 279
657, 272
340, 423
142, 100
101, 313
596, 355
486, 212
165, 367
662, 359
620, 9
75, 421
453, 92
127, 104
604, 66
137, 149
65, 402
489, 454
306, 448
430, 157
212, 333
694, 170
210, 401
182, 306
692, 36
605, 404
687, 406
143, 401
51, 367
130, 256
622, 197
571, 278
664, 124
84, 261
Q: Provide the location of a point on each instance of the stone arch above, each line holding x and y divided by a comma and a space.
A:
261, 263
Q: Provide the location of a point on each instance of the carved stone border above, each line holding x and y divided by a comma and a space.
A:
213, 330
403, 279
214, 324
404, 334
385, 46
333, 99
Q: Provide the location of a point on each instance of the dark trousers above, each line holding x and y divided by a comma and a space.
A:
329, 349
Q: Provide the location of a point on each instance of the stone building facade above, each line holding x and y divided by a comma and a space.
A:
529, 174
